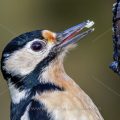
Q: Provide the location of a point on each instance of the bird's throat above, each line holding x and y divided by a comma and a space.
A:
55, 73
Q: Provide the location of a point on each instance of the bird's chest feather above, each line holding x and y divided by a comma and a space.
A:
65, 106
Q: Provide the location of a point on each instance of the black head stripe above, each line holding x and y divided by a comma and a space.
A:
21, 40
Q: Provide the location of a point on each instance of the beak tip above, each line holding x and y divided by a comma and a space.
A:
72, 35
89, 24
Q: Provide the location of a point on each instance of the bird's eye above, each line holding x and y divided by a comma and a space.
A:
38, 45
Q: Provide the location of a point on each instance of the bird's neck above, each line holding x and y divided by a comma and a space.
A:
34, 84
52, 78
54, 73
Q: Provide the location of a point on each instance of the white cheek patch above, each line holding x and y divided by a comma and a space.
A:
23, 61
20, 63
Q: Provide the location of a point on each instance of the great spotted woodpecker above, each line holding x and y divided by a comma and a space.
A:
40, 89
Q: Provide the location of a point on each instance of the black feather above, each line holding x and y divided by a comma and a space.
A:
22, 40
38, 111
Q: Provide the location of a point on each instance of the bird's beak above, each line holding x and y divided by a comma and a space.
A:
73, 34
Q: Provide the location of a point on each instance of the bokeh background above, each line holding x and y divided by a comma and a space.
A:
88, 64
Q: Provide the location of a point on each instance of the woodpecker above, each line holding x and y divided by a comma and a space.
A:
40, 89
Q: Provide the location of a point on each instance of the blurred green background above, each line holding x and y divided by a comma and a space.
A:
88, 64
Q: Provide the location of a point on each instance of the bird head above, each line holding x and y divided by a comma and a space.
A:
34, 51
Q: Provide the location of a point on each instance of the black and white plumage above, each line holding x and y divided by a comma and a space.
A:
115, 66
32, 64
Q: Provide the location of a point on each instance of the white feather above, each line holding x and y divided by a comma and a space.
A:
26, 114
16, 94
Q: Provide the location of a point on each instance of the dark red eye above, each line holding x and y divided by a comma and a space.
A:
38, 45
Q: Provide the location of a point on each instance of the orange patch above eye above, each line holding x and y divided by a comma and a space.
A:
48, 35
